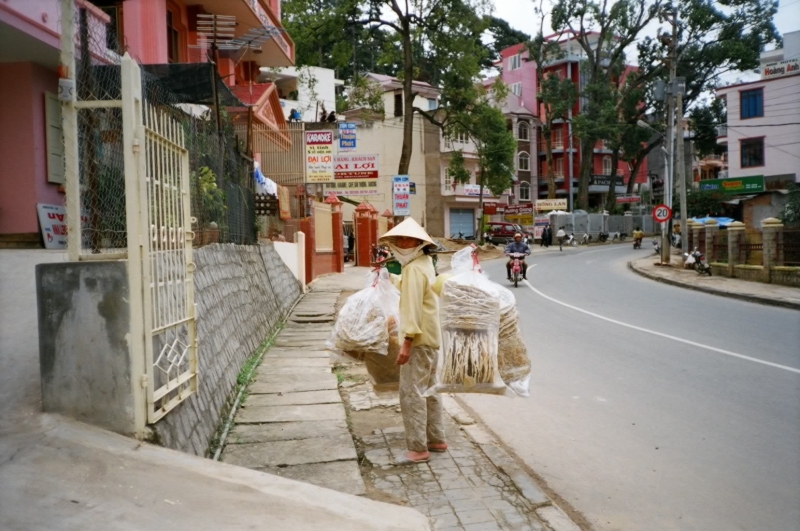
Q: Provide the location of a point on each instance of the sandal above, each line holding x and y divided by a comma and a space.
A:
437, 447
403, 461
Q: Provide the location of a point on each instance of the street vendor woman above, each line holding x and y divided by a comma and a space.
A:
419, 328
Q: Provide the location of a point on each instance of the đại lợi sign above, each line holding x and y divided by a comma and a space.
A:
353, 166
319, 156
736, 185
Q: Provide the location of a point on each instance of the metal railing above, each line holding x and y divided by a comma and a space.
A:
719, 248
788, 248
751, 247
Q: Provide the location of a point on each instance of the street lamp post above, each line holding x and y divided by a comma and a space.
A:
667, 192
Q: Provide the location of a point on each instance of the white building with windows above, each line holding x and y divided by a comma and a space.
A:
762, 132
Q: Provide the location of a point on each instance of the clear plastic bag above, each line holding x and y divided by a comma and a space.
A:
463, 260
512, 355
368, 319
470, 321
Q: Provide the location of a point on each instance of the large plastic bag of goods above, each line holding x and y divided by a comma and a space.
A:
470, 321
464, 260
512, 355
368, 319
383, 371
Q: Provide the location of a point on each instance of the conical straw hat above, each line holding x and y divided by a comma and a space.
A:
409, 228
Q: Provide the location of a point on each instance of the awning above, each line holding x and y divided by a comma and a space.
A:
739, 200
192, 83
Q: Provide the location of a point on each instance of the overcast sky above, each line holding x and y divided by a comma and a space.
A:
520, 15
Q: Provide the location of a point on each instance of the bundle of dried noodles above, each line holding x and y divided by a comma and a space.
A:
512, 355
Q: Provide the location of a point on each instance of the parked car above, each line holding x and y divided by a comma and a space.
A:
500, 233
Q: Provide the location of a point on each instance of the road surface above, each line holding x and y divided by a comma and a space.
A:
654, 407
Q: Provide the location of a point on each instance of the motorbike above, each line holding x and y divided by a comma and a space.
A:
570, 240
657, 247
698, 261
586, 238
637, 243
602, 237
516, 266
675, 240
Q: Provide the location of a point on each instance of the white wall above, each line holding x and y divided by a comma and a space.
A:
293, 255
780, 143
325, 89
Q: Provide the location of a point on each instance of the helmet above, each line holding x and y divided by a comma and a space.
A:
517, 235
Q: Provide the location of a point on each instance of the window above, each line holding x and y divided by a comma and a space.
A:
432, 104
514, 62
516, 88
606, 165
559, 167
752, 152
448, 179
55, 144
398, 104
114, 30
558, 139
752, 103
523, 161
523, 131
524, 192
173, 37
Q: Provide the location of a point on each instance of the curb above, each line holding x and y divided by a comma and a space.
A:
544, 507
741, 296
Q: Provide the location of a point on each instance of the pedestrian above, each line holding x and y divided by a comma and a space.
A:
351, 240
547, 235
332, 117
419, 326
323, 115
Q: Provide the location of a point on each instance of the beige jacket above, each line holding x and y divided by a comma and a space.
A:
419, 303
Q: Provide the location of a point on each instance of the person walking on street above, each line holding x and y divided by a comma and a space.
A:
419, 326
561, 235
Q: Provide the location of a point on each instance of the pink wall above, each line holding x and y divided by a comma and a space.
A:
526, 75
145, 30
23, 146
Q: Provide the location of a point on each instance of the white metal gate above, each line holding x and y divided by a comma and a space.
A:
160, 256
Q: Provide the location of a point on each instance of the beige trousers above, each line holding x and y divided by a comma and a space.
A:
422, 417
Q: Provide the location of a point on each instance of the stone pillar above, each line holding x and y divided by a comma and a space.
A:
363, 244
373, 225
695, 229
712, 228
307, 227
337, 226
734, 230
389, 219
770, 232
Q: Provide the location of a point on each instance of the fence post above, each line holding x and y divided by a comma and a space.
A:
307, 226
770, 229
300, 238
363, 250
695, 229
337, 226
712, 228
734, 230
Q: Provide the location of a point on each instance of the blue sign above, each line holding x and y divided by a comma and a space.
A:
413, 188
347, 136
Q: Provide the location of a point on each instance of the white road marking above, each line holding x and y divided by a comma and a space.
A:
661, 334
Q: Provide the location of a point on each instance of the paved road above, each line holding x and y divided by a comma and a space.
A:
688, 421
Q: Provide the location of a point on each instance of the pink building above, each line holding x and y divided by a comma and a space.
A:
152, 31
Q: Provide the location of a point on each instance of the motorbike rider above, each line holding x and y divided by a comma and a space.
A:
561, 235
638, 236
517, 246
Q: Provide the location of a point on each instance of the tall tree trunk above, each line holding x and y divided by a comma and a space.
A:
551, 176
408, 100
479, 236
587, 162
611, 198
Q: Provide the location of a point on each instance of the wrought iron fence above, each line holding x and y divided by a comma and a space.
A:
751, 247
719, 248
788, 248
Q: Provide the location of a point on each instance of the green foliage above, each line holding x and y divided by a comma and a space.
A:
364, 94
704, 122
502, 36
701, 203
790, 215
495, 146
212, 198
457, 170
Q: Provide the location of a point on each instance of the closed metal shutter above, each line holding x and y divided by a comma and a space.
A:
462, 220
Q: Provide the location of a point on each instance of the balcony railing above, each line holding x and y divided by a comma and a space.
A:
722, 130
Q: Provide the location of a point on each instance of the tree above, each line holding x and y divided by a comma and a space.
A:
556, 95
502, 36
701, 203
704, 122
790, 215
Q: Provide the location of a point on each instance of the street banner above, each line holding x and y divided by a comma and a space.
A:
319, 156
347, 136
285, 202
551, 204
53, 221
352, 188
474, 190
352, 166
401, 192
734, 185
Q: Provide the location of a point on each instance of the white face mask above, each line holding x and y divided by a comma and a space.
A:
405, 256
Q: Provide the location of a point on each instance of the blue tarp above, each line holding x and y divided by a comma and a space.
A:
723, 222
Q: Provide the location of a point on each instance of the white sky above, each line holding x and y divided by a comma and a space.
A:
520, 15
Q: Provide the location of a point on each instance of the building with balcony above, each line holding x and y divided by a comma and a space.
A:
309, 90
162, 35
762, 133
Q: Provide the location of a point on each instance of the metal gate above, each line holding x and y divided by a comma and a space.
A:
160, 259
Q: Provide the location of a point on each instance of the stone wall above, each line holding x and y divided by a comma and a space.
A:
242, 293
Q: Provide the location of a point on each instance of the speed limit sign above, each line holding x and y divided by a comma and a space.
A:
662, 213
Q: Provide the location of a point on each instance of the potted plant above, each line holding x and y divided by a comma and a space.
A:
212, 203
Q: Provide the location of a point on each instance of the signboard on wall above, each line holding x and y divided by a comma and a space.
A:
53, 221
551, 204
352, 166
521, 214
781, 68
352, 188
319, 156
736, 185
401, 193
628, 199
347, 136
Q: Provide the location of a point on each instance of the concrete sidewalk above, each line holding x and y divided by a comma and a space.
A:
294, 423
771, 294
59, 474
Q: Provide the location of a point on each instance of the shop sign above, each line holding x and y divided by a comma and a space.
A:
551, 204
628, 199
401, 192
737, 185
354, 166
53, 220
781, 68
347, 136
352, 188
525, 209
490, 209
319, 156
605, 180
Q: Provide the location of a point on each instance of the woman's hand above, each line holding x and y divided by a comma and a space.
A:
405, 353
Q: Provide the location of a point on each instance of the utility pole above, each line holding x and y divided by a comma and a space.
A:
680, 164
669, 181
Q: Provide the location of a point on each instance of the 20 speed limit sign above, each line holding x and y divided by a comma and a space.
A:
662, 213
